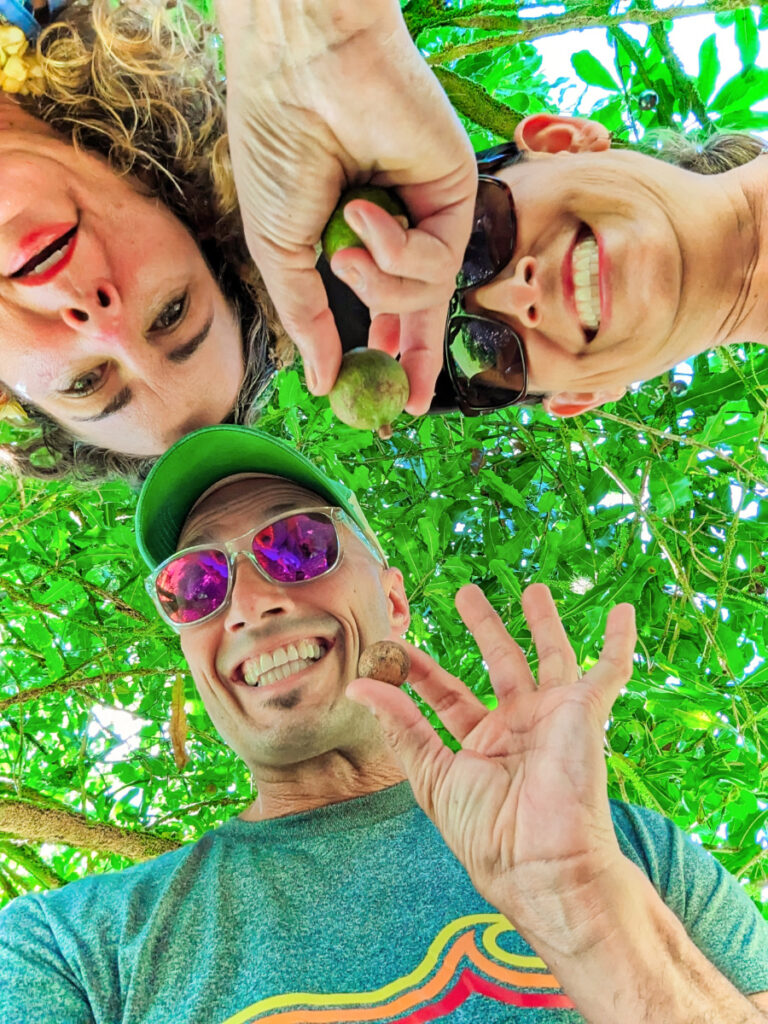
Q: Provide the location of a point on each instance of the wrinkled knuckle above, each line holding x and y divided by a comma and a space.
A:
499, 651
446, 703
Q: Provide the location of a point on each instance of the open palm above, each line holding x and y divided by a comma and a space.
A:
526, 794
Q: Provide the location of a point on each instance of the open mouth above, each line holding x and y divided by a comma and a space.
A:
49, 261
266, 669
586, 282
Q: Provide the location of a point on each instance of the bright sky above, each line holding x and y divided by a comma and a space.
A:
686, 37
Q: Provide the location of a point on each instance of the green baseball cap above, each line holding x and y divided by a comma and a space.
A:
199, 460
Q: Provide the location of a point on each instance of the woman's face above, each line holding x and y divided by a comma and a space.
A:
613, 278
110, 320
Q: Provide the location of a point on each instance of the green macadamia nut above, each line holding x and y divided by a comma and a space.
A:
338, 235
386, 661
370, 390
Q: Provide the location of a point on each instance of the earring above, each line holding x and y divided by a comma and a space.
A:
11, 412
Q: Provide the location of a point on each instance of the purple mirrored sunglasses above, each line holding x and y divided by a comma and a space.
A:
194, 584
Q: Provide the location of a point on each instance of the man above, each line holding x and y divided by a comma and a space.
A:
588, 269
378, 875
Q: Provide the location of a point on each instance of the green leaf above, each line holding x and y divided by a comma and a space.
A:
590, 70
747, 38
669, 489
709, 67
744, 89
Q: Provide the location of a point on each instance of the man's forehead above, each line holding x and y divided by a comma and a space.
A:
262, 494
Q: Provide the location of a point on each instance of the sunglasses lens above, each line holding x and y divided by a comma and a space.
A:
193, 585
487, 362
297, 548
494, 231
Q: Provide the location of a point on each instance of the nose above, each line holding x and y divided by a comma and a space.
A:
96, 311
519, 295
254, 598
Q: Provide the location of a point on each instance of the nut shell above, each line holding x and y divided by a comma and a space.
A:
371, 389
386, 661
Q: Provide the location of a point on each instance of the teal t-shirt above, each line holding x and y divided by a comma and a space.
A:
354, 912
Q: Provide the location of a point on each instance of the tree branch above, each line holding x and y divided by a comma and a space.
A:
23, 819
475, 103
74, 682
32, 862
538, 28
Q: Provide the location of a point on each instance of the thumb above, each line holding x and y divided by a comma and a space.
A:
302, 305
422, 754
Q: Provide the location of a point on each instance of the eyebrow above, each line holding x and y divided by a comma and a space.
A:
186, 351
121, 399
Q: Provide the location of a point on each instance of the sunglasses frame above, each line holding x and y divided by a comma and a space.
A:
456, 313
236, 546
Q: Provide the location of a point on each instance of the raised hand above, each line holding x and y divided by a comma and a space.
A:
523, 805
312, 109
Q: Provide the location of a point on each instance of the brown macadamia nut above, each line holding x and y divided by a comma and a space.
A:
386, 661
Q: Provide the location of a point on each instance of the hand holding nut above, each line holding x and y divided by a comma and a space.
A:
386, 661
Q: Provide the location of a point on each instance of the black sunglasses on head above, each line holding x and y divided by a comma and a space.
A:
484, 361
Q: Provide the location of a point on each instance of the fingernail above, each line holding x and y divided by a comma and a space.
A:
310, 377
356, 221
352, 277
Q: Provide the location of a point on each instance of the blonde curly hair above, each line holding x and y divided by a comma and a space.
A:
141, 84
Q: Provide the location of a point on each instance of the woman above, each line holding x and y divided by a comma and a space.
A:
131, 274
132, 347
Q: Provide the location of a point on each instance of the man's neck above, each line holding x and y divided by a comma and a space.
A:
328, 779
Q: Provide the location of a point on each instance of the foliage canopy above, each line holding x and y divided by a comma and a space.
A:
659, 500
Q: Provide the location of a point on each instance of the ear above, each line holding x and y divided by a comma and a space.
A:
550, 133
397, 602
574, 403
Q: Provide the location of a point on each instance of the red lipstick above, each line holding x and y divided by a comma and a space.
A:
34, 244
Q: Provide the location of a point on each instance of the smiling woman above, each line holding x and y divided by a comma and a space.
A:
121, 250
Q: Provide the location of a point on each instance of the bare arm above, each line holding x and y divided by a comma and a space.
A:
524, 806
623, 956
323, 94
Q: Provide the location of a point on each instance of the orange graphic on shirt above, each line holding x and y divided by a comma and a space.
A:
464, 959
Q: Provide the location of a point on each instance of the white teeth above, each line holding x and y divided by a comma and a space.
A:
261, 670
586, 281
51, 261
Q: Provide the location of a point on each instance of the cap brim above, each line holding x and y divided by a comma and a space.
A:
202, 458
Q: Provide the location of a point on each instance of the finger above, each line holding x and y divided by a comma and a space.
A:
616, 662
557, 662
421, 752
445, 210
384, 291
302, 305
414, 253
453, 702
508, 667
421, 355
384, 333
